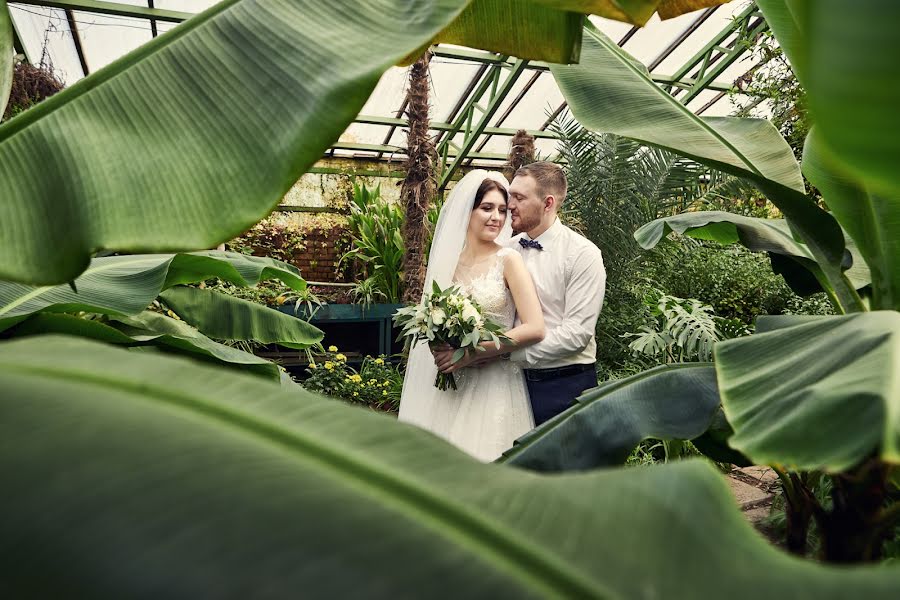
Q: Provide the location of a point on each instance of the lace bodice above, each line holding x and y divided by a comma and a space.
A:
486, 285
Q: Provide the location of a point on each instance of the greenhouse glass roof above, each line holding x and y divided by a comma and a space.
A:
697, 57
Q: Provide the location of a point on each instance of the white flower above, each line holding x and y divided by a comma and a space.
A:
469, 312
438, 315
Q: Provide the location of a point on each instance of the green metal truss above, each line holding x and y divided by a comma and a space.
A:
497, 82
490, 88
717, 55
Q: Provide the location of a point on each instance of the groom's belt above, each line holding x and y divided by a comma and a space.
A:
556, 373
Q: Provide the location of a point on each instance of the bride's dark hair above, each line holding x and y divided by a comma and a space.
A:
486, 186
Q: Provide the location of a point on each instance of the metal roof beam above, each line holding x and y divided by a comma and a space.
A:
18, 45
443, 126
76, 39
681, 37
115, 9
498, 93
465, 96
153, 30
712, 60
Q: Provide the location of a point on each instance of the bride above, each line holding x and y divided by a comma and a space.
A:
490, 408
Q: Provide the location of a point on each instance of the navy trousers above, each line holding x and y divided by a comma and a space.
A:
550, 397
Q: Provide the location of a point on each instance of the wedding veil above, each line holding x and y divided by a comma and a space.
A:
453, 222
419, 394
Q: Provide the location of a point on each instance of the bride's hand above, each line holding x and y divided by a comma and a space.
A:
443, 359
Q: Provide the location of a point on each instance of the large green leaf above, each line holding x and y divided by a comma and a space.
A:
604, 426
547, 30
126, 285
637, 12
852, 78
817, 395
225, 317
196, 135
608, 91
537, 32
6, 56
139, 475
147, 328
759, 235
872, 220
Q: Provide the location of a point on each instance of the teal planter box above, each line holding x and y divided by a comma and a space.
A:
352, 328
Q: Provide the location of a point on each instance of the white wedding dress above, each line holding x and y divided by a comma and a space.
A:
490, 409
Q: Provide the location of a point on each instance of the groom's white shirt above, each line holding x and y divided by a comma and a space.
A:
570, 280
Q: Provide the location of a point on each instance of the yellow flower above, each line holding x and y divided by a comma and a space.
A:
378, 361
356, 393
329, 365
312, 366
173, 315
280, 300
384, 393
332, 348
355, 378
371, 381
340, 357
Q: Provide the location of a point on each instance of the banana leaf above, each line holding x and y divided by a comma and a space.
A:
604, 426
126, 285
168, 479
610, 92
871, 219
844, 56
196, 135
147, 329
773, 236
818, 395
225, 317
636, 12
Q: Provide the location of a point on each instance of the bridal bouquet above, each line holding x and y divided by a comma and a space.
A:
451, 317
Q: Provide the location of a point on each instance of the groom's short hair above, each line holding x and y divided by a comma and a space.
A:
550, 178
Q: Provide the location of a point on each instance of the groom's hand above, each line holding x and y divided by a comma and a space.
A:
484, 361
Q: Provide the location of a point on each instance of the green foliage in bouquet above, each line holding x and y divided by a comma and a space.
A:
448, 316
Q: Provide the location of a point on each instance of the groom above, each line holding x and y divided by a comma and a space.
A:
570, 280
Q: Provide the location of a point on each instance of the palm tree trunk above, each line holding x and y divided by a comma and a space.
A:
521, 153
420, 184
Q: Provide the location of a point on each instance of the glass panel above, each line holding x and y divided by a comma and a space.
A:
104, 38
47, 28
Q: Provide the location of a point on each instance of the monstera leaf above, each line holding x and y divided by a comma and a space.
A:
604, 426
228, 318
167, 478
821, 394
126, 285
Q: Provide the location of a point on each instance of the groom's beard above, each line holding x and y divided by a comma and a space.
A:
521, 225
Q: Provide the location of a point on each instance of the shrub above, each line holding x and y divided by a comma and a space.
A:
737, 283
377, 384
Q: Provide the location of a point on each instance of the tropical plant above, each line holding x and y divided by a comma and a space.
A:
113, 300
377, 244
738, 283
615, 186
192, 458
376, 384
769, 421
682, 330
419, 185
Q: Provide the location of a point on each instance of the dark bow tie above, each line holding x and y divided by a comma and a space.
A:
530, 244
